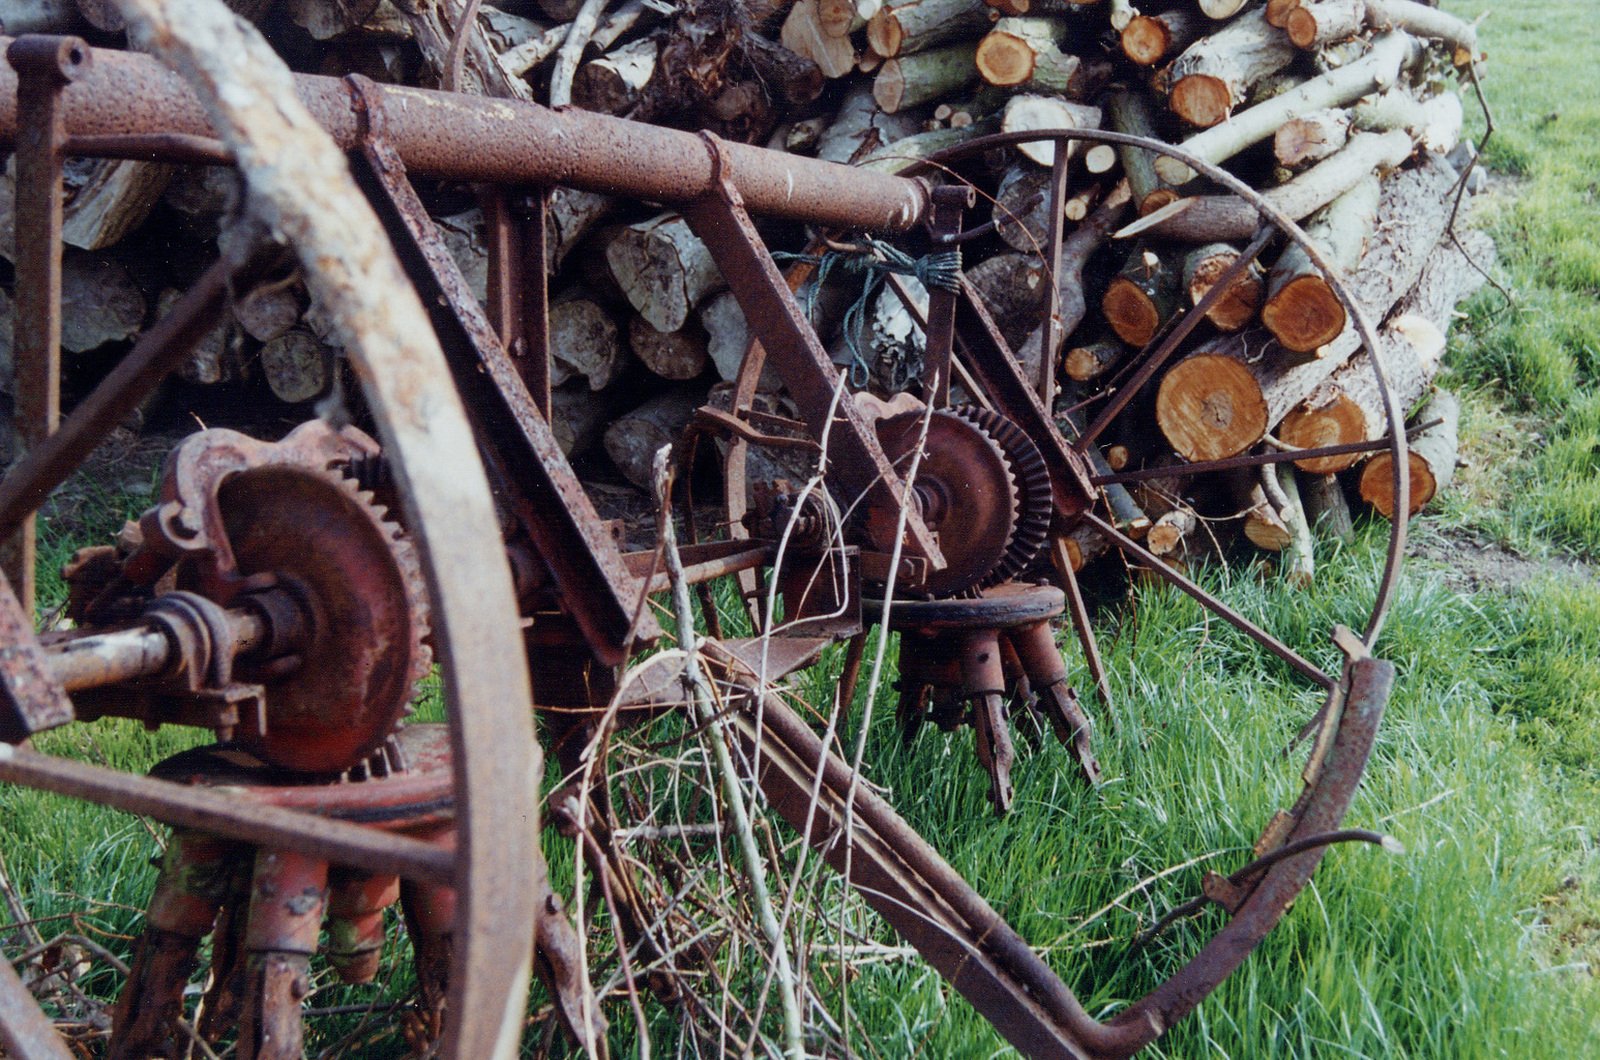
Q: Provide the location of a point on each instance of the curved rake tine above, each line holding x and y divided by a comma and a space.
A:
1152, 362
1238, 621
1046, 382
1080, 623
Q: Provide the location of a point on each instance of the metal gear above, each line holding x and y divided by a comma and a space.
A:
239, 516
1032, 478
359, 576
967, 489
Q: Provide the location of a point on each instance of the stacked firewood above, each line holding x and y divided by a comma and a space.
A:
1346, 115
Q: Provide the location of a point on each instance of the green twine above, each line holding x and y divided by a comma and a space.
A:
940, 269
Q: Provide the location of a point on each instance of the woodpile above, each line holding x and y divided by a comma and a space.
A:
1343, 114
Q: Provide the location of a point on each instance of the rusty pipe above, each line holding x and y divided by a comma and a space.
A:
151, 649
483, 140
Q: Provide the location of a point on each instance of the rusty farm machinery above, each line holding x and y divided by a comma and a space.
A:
289, 595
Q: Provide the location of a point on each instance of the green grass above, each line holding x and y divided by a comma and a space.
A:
1539, 358
1481, 940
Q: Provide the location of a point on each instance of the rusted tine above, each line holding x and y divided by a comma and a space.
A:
1150, 363
1255, 632
216, 813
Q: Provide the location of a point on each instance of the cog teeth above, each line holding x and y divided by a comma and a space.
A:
1032, 478
360, 477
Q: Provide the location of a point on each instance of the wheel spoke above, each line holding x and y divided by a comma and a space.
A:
1080, 623
25, 1030
1205, 467
215, 813
1238, 621
1150, 363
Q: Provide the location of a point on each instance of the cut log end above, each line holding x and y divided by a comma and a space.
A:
1158, 199
1237, 306
1304, 314
1210, 408
1146, 40
1377, 483
1130, 312
1005, 59
1084, 363
1202, 100
1336, 422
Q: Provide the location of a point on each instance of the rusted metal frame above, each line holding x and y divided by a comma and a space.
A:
518, 301
25, 1031
950, 203
1270, 214
152, 147
535, 353
858, 461
31, 696
958, 371
1151, 362
995, 368
550, 503
504, 290
1189, 588
503, 141
1323, 806
158, 352
1205, 467
217, 813
703, 562
44, 67
745, 428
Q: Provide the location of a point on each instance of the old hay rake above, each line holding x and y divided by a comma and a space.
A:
288, 595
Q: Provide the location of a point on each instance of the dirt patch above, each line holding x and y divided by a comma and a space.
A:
1471, 563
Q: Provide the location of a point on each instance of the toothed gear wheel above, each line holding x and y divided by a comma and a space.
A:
1035, 506
966, 489
359, 577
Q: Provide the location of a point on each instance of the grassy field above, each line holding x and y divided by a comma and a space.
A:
1483, 938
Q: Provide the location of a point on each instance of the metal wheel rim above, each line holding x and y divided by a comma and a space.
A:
446, 499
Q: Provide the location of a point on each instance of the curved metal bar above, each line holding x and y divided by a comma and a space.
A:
243, 93
1369, 338
932, 906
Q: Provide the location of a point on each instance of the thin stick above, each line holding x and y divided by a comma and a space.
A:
578, 34
710, 721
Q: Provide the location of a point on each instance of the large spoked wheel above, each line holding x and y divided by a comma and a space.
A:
1291, 844
1102, 418
1099, 420
300, 188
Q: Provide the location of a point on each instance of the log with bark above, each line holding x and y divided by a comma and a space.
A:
1226, 395
1430, 456
1302, 310
1214, 74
